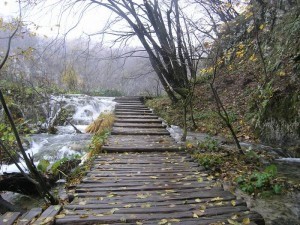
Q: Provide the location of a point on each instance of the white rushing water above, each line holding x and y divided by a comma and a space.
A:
66, 142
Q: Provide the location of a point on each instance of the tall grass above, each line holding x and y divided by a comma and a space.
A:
102, 123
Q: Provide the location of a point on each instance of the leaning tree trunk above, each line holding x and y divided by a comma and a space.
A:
36, 177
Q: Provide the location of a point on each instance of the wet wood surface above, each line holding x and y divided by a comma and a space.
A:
149, 179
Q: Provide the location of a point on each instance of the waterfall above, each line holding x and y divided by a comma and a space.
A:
66, 143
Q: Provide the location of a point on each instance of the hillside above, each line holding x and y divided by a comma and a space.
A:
258, 79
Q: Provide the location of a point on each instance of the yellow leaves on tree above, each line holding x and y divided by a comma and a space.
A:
70, 78
253, 58
208, 70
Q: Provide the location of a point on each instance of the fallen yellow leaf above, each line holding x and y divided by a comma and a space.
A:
246, 221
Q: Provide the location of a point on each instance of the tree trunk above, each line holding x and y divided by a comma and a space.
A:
17, 182
183, 138
37, 178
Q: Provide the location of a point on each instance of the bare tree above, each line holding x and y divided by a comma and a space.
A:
158, 26
163, 30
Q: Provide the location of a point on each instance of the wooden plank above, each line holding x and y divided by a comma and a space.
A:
141, 140
133, 113
133, 110
129, 185
48, 216
167, 156
130, 200
114, 132
163, 210
145, 168
140, 149
137, 125
152, 195
9, 218
120, 180
87, 205
122, 170
93, 218
138, 107
130, 103
29, 216
162, 161
136, 117
138, 121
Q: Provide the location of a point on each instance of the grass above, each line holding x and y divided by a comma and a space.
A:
101, 129
102, 123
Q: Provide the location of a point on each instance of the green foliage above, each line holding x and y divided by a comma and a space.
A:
204, 115
208, 160
107, 93
43, 165
8, 138
250, 154
112, 93
98, 141
55, 166
172, 113
232, 116
63, 166
260, 99
209, 144
259, 182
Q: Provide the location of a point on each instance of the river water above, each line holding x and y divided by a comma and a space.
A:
66, 142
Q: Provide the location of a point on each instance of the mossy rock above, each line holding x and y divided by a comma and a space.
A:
280, 122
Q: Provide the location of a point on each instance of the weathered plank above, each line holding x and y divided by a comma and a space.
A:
139, 125
138, 121
48, 216
9, 218
133, 113
29, 216
111, 217
128, 107
141, 131
133, 110
140, 149
137, 117
86, 204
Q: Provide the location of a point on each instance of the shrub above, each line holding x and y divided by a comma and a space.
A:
259, 182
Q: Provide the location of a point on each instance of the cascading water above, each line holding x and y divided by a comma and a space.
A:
66, 142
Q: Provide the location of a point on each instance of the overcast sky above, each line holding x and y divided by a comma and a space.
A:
49, 20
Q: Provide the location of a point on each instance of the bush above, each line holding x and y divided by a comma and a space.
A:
209, 144
259, 182
208, 160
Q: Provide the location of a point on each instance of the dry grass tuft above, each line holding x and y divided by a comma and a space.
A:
103, 122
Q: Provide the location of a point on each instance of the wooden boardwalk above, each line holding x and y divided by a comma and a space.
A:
146, 178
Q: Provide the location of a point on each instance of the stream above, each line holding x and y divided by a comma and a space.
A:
66, 142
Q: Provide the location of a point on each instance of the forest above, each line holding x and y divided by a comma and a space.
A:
224, 75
